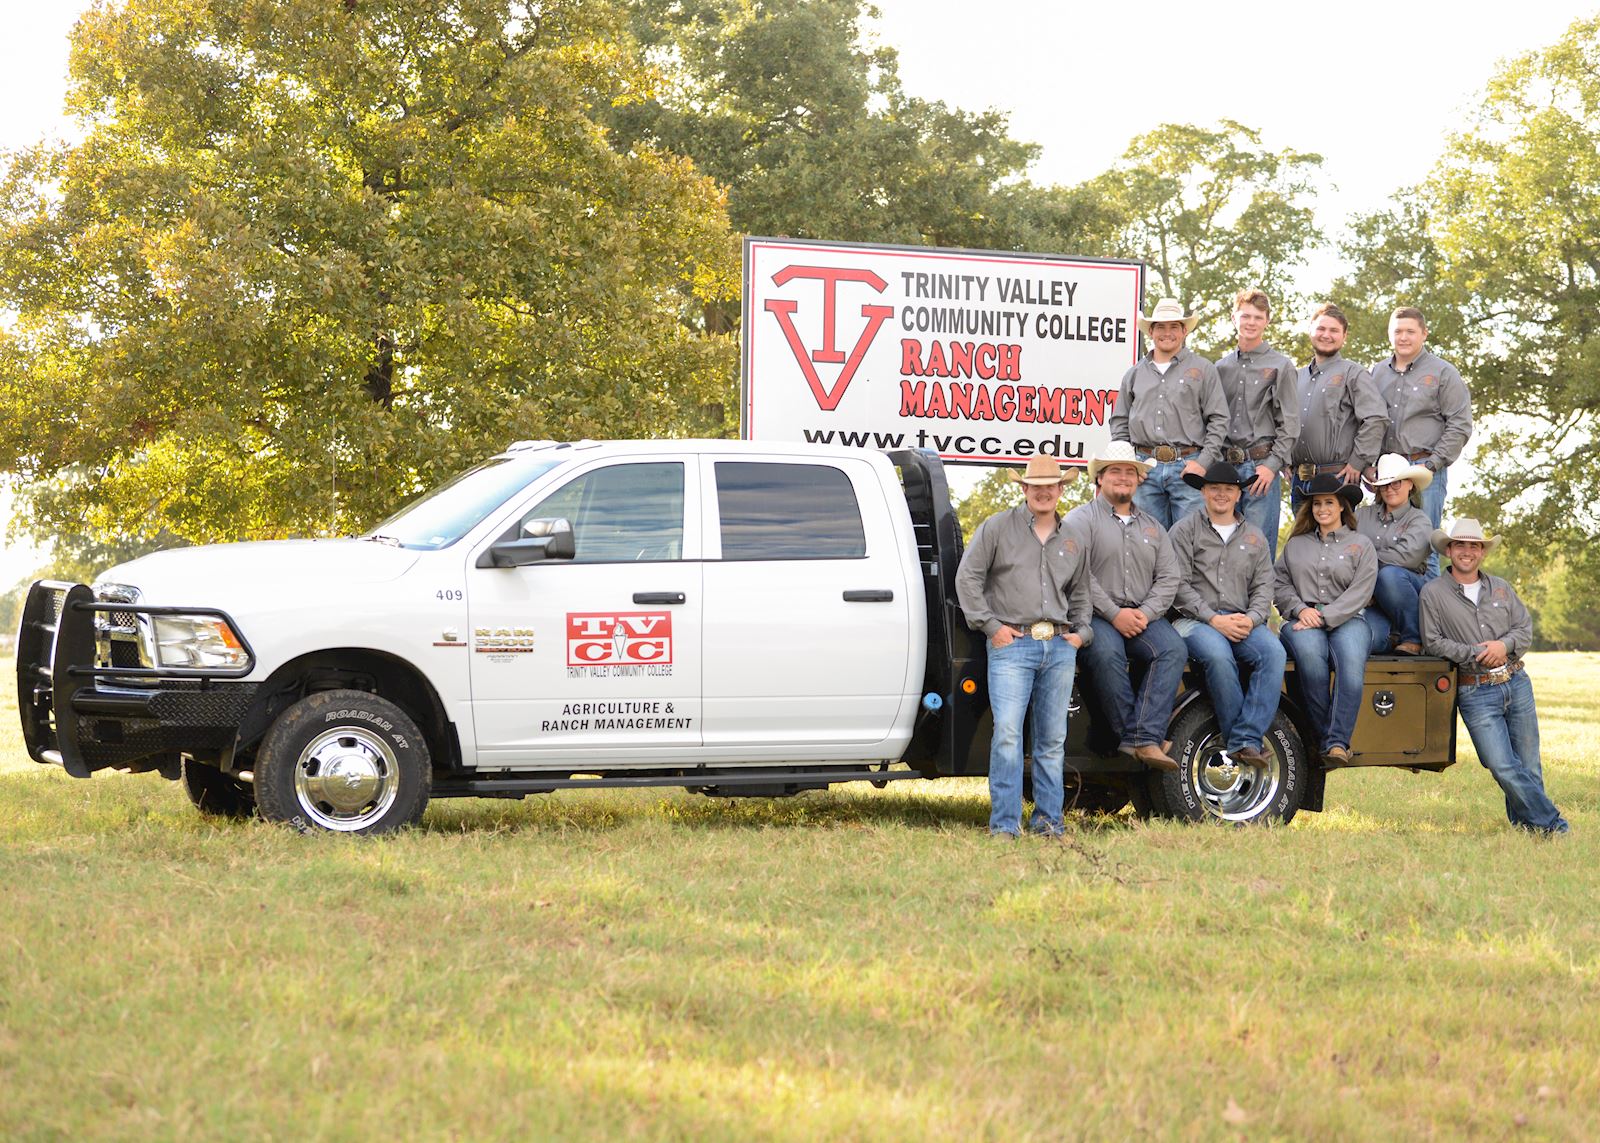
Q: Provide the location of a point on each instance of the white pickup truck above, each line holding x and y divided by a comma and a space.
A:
733, 617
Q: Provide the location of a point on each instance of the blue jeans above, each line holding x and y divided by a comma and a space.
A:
1433, 505
1136, 720
1505, 732
1243, 713
1164, 495
1342, 653
1395, 607
1263, 511
1022, 670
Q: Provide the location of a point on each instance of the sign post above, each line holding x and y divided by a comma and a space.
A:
984, 357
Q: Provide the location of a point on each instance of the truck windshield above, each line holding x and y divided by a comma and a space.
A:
452, 510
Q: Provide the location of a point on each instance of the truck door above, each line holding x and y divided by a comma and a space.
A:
596, 658
807, 622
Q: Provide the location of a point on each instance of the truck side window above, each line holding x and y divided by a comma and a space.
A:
788, 512
621, 513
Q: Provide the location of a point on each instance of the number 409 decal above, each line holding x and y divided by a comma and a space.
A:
448, 593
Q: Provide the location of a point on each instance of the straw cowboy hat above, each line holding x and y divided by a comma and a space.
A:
1392, 467
1118, 452
1465, 528
1327, 484
1041, 470
1168, 309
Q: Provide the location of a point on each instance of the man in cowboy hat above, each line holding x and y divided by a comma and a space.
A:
1400, 530
1172, 410
1133, 580
1342, 416
1224, 598
1258, 383
1024, 582
1429, 408
1476, 620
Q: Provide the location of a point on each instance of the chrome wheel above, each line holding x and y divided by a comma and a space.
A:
346, 779
1231, 790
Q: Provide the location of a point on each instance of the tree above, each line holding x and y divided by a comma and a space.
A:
997, 491
1505, 235
313, 257
1210, 212
806, 124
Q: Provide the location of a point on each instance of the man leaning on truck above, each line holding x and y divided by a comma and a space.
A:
1024, 582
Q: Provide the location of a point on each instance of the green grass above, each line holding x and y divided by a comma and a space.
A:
862, 964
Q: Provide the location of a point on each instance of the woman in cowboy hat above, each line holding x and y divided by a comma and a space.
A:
1325, 575
1399, 529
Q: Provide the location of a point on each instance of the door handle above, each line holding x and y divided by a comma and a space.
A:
870, 595
659, 597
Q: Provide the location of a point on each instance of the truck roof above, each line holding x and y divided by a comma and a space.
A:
546, 449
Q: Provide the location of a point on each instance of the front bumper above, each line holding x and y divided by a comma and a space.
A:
84, 714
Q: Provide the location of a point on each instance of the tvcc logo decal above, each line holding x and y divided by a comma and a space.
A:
783, 309
623, 638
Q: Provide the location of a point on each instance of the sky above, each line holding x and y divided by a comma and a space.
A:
1374, 86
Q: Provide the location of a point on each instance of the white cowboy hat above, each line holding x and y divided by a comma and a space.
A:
1392, 467
1118, 452
1041, 470
1465, 528
1168, 309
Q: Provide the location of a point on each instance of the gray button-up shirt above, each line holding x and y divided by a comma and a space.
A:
1402, 539
1429, 408
1217, 577
1456, 628
1335, 574
1183, 406
1008, 577
1342, 415
1132, 564
1263, 401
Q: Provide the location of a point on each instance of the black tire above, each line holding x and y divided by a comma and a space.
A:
345, 762
1206, 786
216, 794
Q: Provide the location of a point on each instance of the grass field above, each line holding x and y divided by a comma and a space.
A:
855, 965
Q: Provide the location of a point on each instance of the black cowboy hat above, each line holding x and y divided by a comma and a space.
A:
1327, 484
1219, 473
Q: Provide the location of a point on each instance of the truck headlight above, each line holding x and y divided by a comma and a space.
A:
196, 641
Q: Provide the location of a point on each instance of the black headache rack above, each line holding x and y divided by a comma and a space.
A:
953, 738
84, 717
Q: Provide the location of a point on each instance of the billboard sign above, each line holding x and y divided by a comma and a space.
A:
985, 357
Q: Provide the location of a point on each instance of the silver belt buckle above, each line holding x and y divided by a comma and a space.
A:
1044, 630
1305, 471
1500, 674
1235, 455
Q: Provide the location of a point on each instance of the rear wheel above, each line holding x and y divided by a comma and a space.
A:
343, 761
216, 794
1210, 784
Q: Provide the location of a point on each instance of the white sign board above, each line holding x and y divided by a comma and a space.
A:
984, 357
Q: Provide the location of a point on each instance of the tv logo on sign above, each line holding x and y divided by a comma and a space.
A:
783, 310
623, 638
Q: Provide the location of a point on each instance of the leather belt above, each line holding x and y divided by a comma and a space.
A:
1307, 471
1043, 630
1413, 457
1167, 453
1233, 454
1494, 678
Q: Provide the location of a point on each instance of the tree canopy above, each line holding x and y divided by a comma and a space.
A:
311, 257
1500, 246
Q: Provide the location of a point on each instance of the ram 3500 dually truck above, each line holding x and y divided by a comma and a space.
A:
734, 617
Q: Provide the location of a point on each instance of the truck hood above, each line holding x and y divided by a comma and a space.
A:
272, 568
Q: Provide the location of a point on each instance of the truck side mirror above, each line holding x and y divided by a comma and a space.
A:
541, 539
